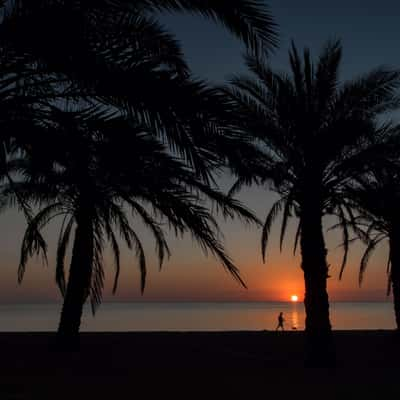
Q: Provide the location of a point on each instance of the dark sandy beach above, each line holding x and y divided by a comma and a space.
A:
197, 365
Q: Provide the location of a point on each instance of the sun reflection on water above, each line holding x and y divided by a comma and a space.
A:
295, 317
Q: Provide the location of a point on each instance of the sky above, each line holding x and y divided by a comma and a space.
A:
370, 34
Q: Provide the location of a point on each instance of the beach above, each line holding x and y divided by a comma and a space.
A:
196, 365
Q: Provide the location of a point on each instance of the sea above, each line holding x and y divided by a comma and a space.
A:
186, 316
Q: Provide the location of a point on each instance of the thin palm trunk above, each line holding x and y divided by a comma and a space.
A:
394, 242
79, 277
319, 342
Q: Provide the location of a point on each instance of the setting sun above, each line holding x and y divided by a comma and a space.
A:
294, 298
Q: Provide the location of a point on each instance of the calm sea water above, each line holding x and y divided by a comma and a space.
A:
195, 316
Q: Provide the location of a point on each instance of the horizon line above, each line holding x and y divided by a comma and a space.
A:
194, 301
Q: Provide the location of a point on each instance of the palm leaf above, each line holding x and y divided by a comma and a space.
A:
162, 247
364, 260
251, 20
296, 238
62, 246
285, 217
142, 259
273, 213
33, 242
346, 240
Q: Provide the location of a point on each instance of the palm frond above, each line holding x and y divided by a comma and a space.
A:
63, 240
297, 71
33, 242
142, 259
162, 247
116, 253
285, 217
326, 75
365, 258
345, 239
236, 187
296, 238
273, 213
97, 275
251, 21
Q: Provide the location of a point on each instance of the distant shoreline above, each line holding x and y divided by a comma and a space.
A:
390, 301
202, 332
175, 317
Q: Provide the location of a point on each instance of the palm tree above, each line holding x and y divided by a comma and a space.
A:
312, 136
376, 198
119, 66
102, 166
116, 53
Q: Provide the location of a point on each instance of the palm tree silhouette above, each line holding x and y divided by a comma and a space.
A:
314, 135
102, 166
116, 54
375, 197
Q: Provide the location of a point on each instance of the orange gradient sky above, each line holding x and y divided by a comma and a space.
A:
191, 276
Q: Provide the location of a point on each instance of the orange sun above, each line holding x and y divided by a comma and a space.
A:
294, 298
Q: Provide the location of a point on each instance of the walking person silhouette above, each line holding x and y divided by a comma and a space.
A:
281, 320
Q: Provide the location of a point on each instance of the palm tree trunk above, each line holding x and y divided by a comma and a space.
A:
394, 243
319, 341
79, 279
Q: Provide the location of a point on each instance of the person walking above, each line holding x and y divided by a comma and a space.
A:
281, 320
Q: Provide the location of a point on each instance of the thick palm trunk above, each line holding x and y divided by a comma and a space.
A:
319, 342
394, 242
79, 279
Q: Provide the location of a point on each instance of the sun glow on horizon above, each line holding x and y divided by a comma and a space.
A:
294, 298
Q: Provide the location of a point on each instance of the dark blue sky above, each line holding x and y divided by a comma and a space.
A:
370, 31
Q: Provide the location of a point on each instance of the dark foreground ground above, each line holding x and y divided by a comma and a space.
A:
245, 365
